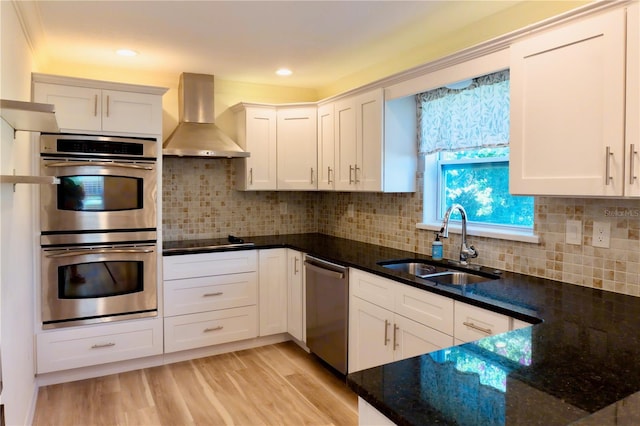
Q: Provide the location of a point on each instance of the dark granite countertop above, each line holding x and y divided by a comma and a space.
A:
580, 362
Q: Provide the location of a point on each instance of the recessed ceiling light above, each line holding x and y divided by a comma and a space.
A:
284, 72
126, 52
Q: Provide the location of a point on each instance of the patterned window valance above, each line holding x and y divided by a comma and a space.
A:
474, 117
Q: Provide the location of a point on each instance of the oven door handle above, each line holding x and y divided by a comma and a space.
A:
98, 163
99, 251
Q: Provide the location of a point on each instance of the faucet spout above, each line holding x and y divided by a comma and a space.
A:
466, 251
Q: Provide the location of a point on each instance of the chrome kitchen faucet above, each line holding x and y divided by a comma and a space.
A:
466, 252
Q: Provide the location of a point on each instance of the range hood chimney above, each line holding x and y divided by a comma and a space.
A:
196, 134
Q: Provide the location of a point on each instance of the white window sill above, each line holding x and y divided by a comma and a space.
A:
484, 231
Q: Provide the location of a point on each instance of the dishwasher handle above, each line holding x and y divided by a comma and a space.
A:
329, 272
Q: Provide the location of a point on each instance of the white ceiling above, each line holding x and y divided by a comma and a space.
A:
321, 41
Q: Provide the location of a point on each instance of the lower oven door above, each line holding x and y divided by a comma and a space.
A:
91, 284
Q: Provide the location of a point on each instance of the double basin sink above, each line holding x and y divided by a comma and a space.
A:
437, 273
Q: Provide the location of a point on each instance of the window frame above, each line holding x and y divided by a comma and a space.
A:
430, 207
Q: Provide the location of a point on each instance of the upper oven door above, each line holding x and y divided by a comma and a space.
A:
98, 194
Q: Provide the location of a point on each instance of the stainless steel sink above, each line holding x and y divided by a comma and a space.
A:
456, 278
436, 273
419, 269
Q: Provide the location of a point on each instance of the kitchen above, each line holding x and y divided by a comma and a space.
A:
384, 219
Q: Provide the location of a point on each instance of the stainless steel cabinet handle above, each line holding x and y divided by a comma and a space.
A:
218, 293
350, 174
98, 163
104, 345
95, 105
356, 180
386, 327
72, 253
107, 105
478, 328
329, 175
607, 167
295, 265
312, 175
395, 332
207, 330
632, 155
251, 176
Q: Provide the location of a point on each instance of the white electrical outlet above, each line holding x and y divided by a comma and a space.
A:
350, 211
283, 208
573, 232
601, 234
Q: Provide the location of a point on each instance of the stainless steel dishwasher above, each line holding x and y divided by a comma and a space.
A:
327, 311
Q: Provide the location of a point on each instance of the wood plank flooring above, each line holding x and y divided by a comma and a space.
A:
272, 385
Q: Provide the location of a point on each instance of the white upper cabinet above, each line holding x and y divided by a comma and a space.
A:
81, 108
297, 148
358, 149
256, 127
632, 159
568, 109
326, 147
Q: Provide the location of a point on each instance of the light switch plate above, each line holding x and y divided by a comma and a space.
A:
573, 232
350, 210
283, 208
601, 234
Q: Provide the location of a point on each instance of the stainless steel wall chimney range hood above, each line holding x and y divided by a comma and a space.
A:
196, 134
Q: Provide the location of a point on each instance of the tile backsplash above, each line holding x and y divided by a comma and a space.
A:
199, 202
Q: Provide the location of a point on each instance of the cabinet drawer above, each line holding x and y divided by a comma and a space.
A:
473, 323
192, 295
372, 288
97, 344
426, 308
205, 264
210, 328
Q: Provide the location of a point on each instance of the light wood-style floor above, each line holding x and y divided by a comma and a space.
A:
271, 385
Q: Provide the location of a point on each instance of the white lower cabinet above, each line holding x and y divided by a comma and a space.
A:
368, 415
273, 291
98, 344
296, 326
378, 335
210, 298
474, 323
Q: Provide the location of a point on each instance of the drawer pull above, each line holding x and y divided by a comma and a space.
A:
480, 329
218, 293
207, 330
104, 345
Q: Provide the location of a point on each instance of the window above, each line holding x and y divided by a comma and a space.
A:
464, 135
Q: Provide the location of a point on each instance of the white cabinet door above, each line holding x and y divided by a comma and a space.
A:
326, 147
370, 332
131, 112
372, 288
369, 131
89, 109
273, 291
295, 295
297, 148
632, 156
412, 338
473, 323
77, 108
567, 109
345, 144
257, 135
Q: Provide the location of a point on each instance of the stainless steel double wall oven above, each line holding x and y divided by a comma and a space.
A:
98, 229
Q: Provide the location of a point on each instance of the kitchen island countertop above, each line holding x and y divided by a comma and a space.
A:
578, 363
